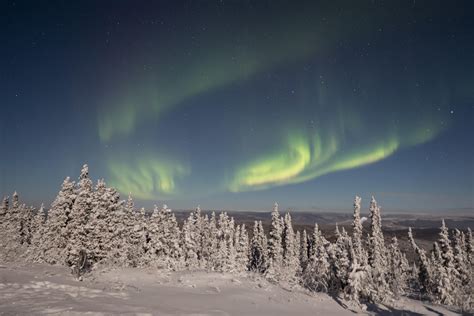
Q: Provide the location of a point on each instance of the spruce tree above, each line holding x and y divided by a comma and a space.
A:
423, 267
275, 244
304, 250
242, 248
98, 239
117, 229
447, 272
191, 242
290, 251
377, 253
155, 245
79, 216
398, 268
359, 251
59, 216
317, 273
358, 282
340, 262
141, 235
211, 243
258, 250
134, 250
35, 251
4, 208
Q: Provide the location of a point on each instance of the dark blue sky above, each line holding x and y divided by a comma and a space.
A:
236, 104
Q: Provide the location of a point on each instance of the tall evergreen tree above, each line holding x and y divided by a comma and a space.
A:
211, 243
155, 245
398, 270
377, 253
258, 250
35, 251
447, 272
59, 216
340, 262
275, 244
4, 207
290, 251
423, 267
359, 251
242, 248
79, 216
98, 239
133, 247
304, 250
317, 273
191, 240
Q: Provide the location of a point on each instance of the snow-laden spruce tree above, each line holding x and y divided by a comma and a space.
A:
79, 216
414, 285
133, 247
470, 247
3, 213
447, 273
377, 254
291, 262
359, 251
242, 248
317, 273
141, 236
441, 289
192, 239
340, 262
35, 251
98, 241
164, 248
231, 265
299, 268
464, 283
226, 252
15, 235
358, 282
56, 233
211, 243
275, 245
397, 273
117, 229
461, 257
14, 221
205, 251
26, 215
258, 249
171, 241
424, 269
155, 252
4, 207
304, 250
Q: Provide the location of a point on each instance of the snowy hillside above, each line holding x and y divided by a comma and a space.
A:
44, 289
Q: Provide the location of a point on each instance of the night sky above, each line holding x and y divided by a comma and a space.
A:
236, 104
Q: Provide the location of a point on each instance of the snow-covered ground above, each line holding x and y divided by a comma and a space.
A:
45, 289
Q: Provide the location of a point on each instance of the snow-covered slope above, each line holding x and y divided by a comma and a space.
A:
45, 289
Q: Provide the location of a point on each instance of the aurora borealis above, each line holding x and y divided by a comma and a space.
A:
235, 104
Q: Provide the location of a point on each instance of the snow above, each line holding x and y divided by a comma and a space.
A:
46, 289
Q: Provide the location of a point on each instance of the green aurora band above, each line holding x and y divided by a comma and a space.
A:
148, 177
304, 157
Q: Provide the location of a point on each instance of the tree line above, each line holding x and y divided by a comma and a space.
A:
88, 223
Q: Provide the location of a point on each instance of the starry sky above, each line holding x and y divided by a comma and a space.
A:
236, 104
